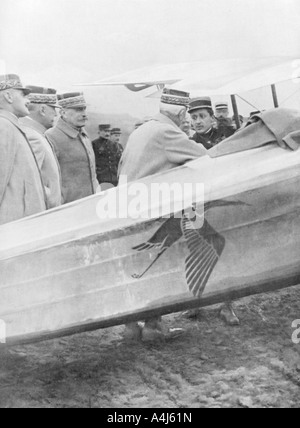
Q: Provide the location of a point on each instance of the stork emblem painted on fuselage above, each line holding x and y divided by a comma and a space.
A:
206, 245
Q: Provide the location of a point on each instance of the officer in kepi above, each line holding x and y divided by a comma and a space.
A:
222, 110
73, 148
224, 122
204, 122
43, 112
156, 146
104, 132
115, 135
22, 191
108, 154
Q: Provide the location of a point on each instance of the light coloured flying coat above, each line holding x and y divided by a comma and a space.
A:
21, 188
157, 146
76, 158
46, 159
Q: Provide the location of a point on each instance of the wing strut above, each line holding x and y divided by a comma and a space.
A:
275, 97
236, 111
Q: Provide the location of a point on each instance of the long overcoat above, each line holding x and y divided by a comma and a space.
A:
76, 158
157, 146
46, 160
21, 188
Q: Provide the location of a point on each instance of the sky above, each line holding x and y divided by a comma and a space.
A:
59, 43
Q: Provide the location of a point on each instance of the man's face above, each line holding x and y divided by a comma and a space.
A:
20, 103
115, 138
186, 126
222, 113
50, 114
75, 117
202, 121
105, 134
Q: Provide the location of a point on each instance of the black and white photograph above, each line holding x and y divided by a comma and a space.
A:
149, 206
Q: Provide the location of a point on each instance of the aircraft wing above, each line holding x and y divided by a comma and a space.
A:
133, 86
138, 80
215, 77
240, 82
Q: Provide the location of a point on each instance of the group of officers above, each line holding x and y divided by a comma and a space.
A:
47, 161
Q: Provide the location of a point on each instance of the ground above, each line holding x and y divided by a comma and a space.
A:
209, 365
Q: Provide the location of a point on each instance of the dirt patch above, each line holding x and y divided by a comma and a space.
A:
210, 365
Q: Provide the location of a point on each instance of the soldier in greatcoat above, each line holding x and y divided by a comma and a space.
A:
43, 112
108, 153
21, 188
156, 146
74, 149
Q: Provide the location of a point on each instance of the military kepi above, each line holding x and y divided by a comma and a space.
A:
40, 95
72, 100
175, 97
116, 131
12, 81
104, 127
200, 103
221, 106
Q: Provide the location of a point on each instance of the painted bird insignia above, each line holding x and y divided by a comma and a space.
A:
206, 245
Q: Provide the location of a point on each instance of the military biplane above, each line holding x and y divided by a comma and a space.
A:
68, 270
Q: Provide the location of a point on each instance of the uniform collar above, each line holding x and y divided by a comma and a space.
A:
69, 130
209, 131
33, 124
10, 116
208, 134
103, 140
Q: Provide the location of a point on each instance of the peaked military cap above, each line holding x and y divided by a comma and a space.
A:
104, 127
200, 103
72, 100
12, 81
221, 106
175, 97
40, 95
116, 131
